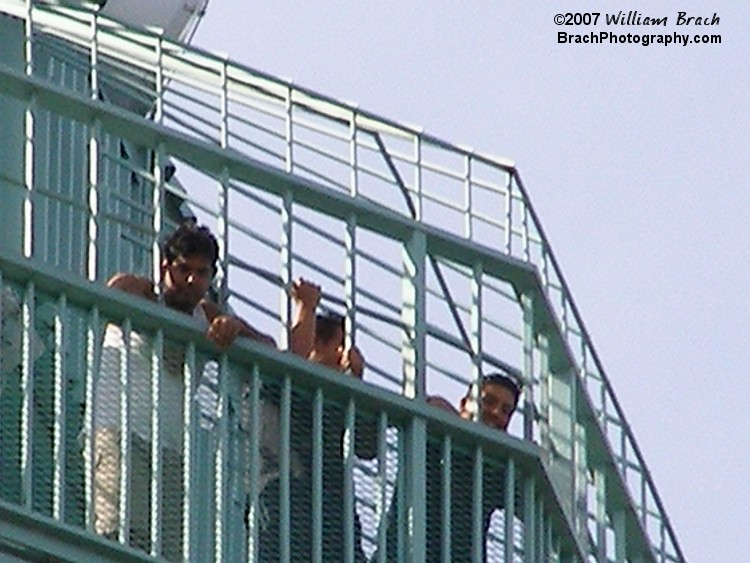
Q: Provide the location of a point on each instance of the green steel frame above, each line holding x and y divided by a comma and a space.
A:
289, 151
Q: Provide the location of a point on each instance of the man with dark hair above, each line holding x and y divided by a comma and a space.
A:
497, 401
187, 269
328, 348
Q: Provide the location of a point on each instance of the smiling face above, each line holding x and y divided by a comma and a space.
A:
186, 280
498, 404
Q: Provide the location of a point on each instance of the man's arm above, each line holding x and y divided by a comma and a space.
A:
352, 361
306, 296
223, 329
135, 285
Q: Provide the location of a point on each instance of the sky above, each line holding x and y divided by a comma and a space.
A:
633, 157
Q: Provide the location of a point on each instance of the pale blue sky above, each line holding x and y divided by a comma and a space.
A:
634, 158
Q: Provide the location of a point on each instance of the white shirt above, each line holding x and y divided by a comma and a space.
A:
108, 387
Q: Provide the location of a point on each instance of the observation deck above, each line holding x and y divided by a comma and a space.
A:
113, 135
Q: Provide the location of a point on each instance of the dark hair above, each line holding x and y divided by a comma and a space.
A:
191, 240
326, 325
510, 383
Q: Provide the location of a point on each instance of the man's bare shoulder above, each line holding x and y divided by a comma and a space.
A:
441, 403
135, 285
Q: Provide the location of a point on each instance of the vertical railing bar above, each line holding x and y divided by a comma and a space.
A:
399, 498
43, 238
350, 280
579, 460
509, 215
545, 406
544, 257
222, 236
60, 371
468, 209
287, 257
27, 389
416, 437
350, 438
93, 201
476, 340
190, 497
418, 177
221, 463
94, 56
159, 79
317, 477
510, 509
382, 488
527, 304
529, 502
158, 202
284, 468
477, 531
28, 202
155, 484
93, 361
553, 544
28, 38
94, 134
601, 515
525, 232
540, 531
254, 462
223, 203
28, 232
619, 526
353, 156
289, 130
414, 315
445, 509
125, 434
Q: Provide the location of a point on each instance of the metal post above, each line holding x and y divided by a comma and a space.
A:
156, 485
416, 490
125, 434
414, 315
475, 391
190, 498
158, 219
527, 305
93, 361
27, 389
317, 477
477, 531
510, 510
382, 488
222, 462
287, 256
60, 389
445, 509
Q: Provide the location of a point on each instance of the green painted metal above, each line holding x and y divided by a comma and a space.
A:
574, 414
146, 316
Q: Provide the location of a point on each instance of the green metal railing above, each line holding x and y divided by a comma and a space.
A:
372, 209
94, 361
